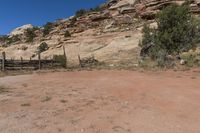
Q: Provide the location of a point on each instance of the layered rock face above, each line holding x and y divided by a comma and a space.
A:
147, 9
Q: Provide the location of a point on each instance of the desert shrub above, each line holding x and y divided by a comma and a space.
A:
24, 48
61, 59
80, 12
95, 9
72, 21
147, 41
177, 32
47, 28
43, 47
6, 40
191, 58
161, 58
3, 89
15, 38
67, 34
30, 34
146, 63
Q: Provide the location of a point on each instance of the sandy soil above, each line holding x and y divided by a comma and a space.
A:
101, 102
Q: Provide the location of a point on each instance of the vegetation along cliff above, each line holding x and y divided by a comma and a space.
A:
113, 34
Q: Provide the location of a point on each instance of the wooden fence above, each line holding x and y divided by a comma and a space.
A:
59, 62
10, 64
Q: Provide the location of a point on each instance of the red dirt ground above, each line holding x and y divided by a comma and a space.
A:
101, 102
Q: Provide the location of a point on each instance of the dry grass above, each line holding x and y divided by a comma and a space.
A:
46, 99
4, 89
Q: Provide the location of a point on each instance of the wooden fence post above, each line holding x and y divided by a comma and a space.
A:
52, 62
79, 59
21, 63
39, 59
65, 56
3, 61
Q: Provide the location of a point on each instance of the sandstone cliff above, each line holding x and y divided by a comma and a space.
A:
110, 34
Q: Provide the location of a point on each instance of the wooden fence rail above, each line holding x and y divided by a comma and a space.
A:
10, 64
58, 61
29, 64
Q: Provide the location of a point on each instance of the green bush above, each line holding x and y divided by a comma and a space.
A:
95, 9
177, 32
4, 89
80, 12
67, 34
73, 21
191, 58
60, 59
30, 34
15, 38
47, 28
6, 40
43, 47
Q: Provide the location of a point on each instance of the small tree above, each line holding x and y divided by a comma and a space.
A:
4, 38
67, 34
12, 39
30, 34
80, 12
73, 21
43, 47
95, 9
177, 32
47, 28
15, 38
61, 59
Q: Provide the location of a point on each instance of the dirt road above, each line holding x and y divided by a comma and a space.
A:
101, 102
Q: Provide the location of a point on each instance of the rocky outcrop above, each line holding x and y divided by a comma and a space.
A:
146, 9
21, 30
120, 4
111, 34
125, 10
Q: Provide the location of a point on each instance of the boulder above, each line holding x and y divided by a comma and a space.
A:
112, 2
182, 62
120, 4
